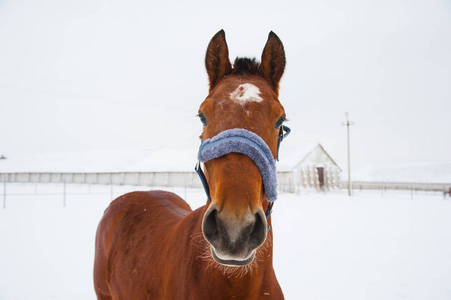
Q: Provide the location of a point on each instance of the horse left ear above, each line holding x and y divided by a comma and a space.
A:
217, 60
273, 61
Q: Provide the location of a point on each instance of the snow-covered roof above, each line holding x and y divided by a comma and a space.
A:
169, 159
147, 160
183, 159
292, 154
436, 172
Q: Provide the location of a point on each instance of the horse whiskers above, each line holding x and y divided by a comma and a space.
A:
235, 272
204, 253
198, 241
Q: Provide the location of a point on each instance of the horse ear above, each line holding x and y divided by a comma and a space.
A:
273, 61
217, 59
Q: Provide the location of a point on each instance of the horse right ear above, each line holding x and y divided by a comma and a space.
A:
273, 61
217, 59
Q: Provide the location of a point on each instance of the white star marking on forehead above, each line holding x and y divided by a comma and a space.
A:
246, 92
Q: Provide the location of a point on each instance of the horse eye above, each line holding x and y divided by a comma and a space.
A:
279, 122
203, 119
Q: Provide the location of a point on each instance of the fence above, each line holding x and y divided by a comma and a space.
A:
65, 192
14, 190
437, 187
186, 181
383, 187
166, 179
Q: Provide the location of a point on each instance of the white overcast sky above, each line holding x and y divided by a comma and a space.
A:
88, 74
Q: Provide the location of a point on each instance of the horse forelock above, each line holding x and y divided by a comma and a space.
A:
246, 66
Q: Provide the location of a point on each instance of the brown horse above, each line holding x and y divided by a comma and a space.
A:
151, 245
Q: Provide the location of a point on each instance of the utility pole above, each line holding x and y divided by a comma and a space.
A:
347, 124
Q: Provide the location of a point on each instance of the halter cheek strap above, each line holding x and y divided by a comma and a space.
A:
203, 179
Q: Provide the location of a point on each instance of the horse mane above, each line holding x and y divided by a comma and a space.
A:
246, 66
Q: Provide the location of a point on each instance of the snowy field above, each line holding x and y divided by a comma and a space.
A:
327, 246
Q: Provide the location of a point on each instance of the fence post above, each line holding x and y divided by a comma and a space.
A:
64, 198
186, 197
111, 188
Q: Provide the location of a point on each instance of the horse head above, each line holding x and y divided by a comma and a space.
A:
243, 99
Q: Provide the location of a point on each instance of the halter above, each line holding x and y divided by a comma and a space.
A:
242, 141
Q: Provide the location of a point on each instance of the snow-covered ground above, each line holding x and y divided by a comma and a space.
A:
327, 246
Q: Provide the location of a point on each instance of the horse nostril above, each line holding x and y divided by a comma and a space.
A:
210, 226
258, 234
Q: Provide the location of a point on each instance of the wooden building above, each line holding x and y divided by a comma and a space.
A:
307, 166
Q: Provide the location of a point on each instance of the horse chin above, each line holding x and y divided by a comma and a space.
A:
232, 262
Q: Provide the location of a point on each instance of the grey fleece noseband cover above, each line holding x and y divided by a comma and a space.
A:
243, 141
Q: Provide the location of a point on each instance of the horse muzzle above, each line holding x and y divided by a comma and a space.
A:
234, 240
